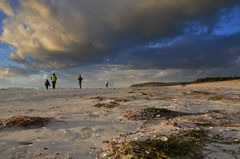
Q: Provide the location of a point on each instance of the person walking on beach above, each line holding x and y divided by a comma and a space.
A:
80, 81
54, 80
183, 85
106, 84
47, 83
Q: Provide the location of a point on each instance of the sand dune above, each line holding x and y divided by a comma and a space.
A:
219, 83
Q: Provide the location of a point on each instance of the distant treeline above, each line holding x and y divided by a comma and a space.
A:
214, 79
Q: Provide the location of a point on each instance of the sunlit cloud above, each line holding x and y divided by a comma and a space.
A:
11, 71
6, 8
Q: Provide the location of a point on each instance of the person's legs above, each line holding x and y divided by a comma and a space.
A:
80, 85
53, 85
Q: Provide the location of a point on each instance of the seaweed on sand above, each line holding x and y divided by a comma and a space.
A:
98, 98
216, 97
24, 121
153, 113
116, 99
201, 92
106, 105
143, 93
185, 145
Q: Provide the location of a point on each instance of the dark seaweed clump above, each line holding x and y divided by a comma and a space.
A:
106, 105
155, 113
24, 121
185, 145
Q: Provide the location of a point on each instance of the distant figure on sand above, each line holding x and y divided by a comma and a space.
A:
47, 83
184, 85
106, 84
54, 80
80, 81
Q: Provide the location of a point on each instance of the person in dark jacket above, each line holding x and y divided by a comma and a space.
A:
54, 80
47, 83
80, 80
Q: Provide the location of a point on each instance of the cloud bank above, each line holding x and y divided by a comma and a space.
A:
61, 34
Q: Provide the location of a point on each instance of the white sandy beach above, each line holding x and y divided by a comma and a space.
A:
80, 131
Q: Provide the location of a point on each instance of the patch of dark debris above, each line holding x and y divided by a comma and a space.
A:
152, 113
106, 105
19, 121
184, 145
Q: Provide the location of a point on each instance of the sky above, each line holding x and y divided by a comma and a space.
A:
122, 41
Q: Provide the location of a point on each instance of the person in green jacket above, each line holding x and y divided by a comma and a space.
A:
54, 80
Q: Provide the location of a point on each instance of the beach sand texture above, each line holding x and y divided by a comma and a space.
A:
83, 122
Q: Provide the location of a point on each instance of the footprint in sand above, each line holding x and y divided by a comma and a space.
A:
98, 132
94, 115
86, 133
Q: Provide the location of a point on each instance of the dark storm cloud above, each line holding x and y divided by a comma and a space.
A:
67, 33
196, 52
